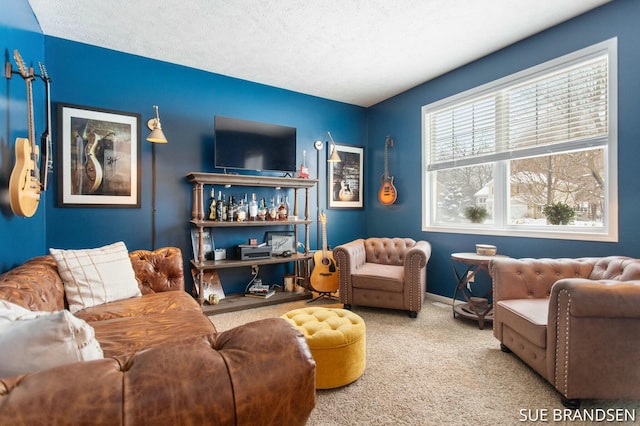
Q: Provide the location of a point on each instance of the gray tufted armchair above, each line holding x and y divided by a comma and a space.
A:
383, 272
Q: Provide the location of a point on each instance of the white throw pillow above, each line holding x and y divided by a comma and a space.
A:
95, 276
33, 340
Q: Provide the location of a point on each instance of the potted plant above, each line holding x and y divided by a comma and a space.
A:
558, 213
476, 214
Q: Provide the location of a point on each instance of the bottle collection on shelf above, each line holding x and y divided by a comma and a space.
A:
231, 210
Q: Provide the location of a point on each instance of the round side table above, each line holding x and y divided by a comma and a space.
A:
473, 308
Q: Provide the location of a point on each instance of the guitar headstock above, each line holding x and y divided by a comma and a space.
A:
21, 66
388, 141
43, 73
323, 218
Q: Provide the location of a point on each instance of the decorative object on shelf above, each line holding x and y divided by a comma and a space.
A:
99, 157
156, 136
486, 249
211, 288
476, 214
24, 182
304, 170
345, 180
388, 193
281, 241
208, 247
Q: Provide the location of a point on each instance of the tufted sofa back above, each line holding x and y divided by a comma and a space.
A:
387, 251
37, 286
619, 268
533, 278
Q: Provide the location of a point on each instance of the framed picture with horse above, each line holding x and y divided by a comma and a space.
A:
99, 157
345, 180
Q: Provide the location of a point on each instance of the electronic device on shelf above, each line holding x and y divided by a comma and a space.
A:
252, 145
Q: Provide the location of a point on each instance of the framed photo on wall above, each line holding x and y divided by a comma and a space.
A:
345, 180
98, 157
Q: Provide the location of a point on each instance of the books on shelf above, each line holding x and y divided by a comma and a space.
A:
261, 295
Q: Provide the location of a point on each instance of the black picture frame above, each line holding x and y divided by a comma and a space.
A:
99, 162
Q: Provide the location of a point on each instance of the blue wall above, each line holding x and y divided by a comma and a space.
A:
189, 99
400, 117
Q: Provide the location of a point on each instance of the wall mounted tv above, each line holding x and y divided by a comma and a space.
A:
252, 145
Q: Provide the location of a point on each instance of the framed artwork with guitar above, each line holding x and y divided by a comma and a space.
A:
99, 157
345, 180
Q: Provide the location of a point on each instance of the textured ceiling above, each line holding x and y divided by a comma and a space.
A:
355, 51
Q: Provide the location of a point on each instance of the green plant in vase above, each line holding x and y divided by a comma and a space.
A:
558, 213
476, 214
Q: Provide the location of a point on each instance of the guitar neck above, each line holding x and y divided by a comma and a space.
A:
32, 132
386, 161
324, 240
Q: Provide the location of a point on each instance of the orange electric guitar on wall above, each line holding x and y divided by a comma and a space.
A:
324, 277
24, 183
387, 194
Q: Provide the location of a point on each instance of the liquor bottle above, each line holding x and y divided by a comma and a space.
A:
253, 208
232, 210
273, 211
262, 210
225, 209
241, 212
219, 207
283, 213
212, 205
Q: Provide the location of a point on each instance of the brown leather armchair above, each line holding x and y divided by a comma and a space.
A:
383, 272
574, 321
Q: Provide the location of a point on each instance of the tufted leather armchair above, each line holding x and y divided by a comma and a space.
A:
383, 272
574, 321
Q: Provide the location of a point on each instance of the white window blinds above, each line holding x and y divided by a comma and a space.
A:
559, 111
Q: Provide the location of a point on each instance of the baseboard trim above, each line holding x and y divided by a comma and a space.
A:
442, 299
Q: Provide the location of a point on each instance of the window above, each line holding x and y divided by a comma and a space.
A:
536, 150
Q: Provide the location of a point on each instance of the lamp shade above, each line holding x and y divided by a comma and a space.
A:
334, 157
156, 135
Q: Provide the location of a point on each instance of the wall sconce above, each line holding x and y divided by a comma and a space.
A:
334, 157
156, 135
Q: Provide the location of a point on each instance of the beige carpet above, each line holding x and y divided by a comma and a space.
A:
434, 370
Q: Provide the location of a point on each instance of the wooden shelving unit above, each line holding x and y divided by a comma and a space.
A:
237, 302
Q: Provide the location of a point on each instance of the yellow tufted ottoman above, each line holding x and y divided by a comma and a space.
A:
336, 338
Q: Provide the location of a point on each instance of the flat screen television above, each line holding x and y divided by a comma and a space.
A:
252, 145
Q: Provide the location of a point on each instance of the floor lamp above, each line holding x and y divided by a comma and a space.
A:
333, 158
155, 137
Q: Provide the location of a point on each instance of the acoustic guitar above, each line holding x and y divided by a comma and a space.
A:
45, 138
388, 193
324, 277
24, 182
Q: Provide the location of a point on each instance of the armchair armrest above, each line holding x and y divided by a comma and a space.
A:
349, 257
417, 256
593, 338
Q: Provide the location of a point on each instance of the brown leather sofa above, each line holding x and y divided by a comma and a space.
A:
164, 363
574, 321
383, 272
